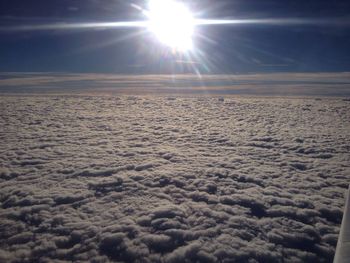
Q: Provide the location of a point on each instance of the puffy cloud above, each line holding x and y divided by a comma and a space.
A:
153, 179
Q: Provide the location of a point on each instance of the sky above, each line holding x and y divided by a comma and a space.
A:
320, 46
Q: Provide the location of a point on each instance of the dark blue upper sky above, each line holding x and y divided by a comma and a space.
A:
228, 49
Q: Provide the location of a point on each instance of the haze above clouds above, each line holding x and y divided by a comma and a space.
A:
275, 84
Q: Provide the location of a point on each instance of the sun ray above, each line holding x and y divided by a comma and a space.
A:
197, 22
172, 23
76, 26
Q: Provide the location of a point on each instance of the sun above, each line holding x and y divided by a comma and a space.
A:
172, 23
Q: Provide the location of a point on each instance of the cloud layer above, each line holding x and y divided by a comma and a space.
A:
169, 179
276, 84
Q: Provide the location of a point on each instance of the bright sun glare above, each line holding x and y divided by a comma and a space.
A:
172, 23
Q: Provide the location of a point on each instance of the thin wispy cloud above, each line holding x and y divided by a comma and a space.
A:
296, 84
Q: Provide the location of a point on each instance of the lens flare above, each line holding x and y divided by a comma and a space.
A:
172, 23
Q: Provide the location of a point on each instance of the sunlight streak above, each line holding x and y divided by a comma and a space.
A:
76, 26
197, 22
275, 22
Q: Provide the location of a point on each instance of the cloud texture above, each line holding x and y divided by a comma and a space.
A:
169, 179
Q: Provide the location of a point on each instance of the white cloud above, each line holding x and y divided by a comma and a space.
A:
90, 178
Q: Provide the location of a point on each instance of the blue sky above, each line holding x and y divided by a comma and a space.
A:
226, 49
